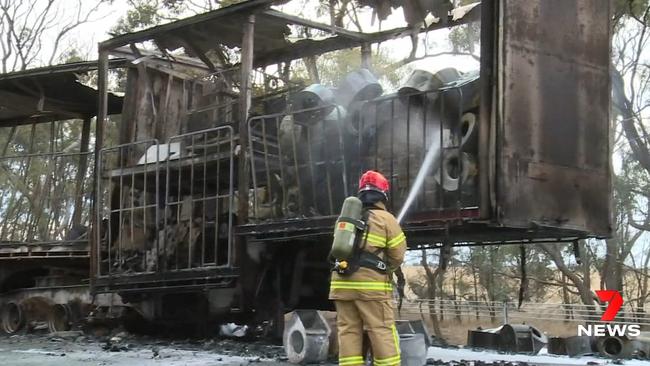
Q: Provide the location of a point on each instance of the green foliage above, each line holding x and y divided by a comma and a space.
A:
37, 192
71, 55
209, 4
465, 38
142, 15
630, 7
146, 13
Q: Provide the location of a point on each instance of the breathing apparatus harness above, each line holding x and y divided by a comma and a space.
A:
360, 258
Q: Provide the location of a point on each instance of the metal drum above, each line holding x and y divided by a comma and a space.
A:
421, 81
414, 349
318, 99
358, 86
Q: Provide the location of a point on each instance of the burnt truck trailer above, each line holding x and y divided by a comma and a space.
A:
45, 197
221, 196
215, 196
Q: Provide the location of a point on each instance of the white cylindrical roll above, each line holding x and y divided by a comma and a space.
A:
469, 132
455, 172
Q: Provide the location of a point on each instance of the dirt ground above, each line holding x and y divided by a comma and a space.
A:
73, 348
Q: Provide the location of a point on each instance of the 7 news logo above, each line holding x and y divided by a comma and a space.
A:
615, 302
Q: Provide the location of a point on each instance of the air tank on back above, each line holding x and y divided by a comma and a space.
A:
345, 231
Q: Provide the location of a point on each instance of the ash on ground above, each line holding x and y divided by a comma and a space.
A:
122, 349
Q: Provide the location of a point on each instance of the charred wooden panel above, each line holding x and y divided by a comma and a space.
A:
553, 150
155, 105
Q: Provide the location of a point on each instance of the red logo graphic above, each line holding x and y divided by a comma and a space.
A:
615, 301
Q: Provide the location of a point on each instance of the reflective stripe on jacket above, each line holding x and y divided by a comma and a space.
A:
384, 238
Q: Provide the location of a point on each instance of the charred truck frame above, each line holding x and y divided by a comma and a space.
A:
219, 199
46, 196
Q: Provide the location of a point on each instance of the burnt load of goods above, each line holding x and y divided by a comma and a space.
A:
332, 133
172, 203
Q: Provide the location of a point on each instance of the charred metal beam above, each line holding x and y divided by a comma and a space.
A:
76, 67
244, 106
309, 47
147, 34
81, 172
291, 19
102, 114
194, 279
486, 122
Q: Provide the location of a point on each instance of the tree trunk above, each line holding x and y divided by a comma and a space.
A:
432, 275
613, 267
565, 299
583, 285
475, 280
312, 69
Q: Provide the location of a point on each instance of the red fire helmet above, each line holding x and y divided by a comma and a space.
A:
372, 180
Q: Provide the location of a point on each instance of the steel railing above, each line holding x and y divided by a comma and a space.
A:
166, 208
510, 312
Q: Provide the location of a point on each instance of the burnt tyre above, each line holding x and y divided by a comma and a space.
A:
59, 318
12, 318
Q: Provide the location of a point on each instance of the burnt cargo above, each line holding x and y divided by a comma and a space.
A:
229, 191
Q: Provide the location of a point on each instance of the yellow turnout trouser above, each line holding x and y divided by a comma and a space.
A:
376, 317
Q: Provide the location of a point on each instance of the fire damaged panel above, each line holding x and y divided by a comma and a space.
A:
552, 138
51, 93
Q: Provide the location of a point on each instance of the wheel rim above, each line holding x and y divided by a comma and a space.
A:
12, 318
59, 318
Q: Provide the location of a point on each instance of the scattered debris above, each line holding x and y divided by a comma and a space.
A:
557, 346
512, 338
70, 334
416, 327
233, 330
306, 339
607, 346
115, 344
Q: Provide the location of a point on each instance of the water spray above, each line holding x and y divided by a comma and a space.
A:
432, 157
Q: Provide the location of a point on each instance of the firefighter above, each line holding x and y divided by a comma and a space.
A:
364, 298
